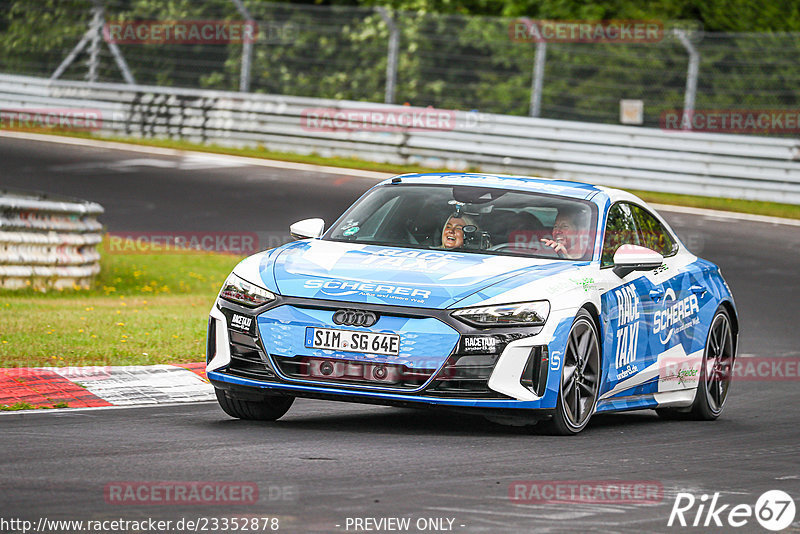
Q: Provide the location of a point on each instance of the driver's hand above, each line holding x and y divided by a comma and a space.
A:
555, 245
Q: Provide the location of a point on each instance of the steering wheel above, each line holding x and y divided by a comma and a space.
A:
502, 246
542, 250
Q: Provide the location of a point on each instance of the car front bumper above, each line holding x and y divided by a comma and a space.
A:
520, 377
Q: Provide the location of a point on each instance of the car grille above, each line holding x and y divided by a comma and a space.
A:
465, 376
353, 372
246, 358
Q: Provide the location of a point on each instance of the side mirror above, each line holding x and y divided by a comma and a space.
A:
307, 228
629, 258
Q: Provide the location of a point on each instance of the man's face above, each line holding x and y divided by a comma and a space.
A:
453, 233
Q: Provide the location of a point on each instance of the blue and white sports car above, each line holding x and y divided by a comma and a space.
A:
522, 299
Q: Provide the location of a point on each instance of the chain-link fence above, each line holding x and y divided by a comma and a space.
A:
365, 54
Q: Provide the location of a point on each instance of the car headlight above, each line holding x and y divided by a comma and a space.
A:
516, 314
242, 292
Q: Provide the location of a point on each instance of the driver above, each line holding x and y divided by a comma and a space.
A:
570, 234
453, 231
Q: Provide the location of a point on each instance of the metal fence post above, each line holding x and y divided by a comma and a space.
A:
691, 78
538, 79
95, 28
93, 34
247, 50
391, 59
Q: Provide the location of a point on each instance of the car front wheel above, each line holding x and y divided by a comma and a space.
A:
269, 409
580, 379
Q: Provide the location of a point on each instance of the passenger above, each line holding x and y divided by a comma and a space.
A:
453, 231
570, 234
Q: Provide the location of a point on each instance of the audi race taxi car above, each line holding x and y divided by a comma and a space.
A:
522, 299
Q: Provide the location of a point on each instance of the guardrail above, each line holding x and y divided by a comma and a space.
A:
709, 164
48, 242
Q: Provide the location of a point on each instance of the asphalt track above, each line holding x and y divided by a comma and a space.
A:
325, 462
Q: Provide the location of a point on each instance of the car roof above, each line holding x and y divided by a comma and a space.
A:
522, 183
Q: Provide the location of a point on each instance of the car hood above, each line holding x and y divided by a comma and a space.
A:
391, 275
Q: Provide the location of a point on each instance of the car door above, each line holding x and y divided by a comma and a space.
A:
627, 311
678, 292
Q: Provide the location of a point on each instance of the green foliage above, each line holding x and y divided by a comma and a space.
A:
452, 54
17, 406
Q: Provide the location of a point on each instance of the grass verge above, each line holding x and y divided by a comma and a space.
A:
144, 309
772, 209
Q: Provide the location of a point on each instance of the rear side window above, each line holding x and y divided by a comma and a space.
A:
620, 230
652, 233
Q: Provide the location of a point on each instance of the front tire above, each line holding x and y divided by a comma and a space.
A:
580, 379
270, 409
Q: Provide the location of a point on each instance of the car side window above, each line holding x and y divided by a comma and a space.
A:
620, 230
652, 233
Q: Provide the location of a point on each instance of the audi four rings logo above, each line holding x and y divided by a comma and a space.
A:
355, 318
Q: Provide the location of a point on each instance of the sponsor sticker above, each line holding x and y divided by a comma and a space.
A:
675, 315
479, 344
679, 372
241, 322
410, 260
338, 288
628, 314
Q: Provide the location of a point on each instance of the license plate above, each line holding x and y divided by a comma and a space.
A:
350, 341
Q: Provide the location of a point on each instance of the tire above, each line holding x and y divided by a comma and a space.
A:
716, 371
269, 409
580, 379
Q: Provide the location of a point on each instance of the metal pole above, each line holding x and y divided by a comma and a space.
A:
94, 33
121, 63
95, 29
247, 50
391, 59
538, 79
72, 55
691, 78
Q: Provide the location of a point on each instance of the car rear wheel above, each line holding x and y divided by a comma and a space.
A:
269, 409
580, 379
716, 372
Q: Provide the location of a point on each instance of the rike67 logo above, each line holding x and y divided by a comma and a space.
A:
774, 510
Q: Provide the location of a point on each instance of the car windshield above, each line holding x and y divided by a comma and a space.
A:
471, 219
